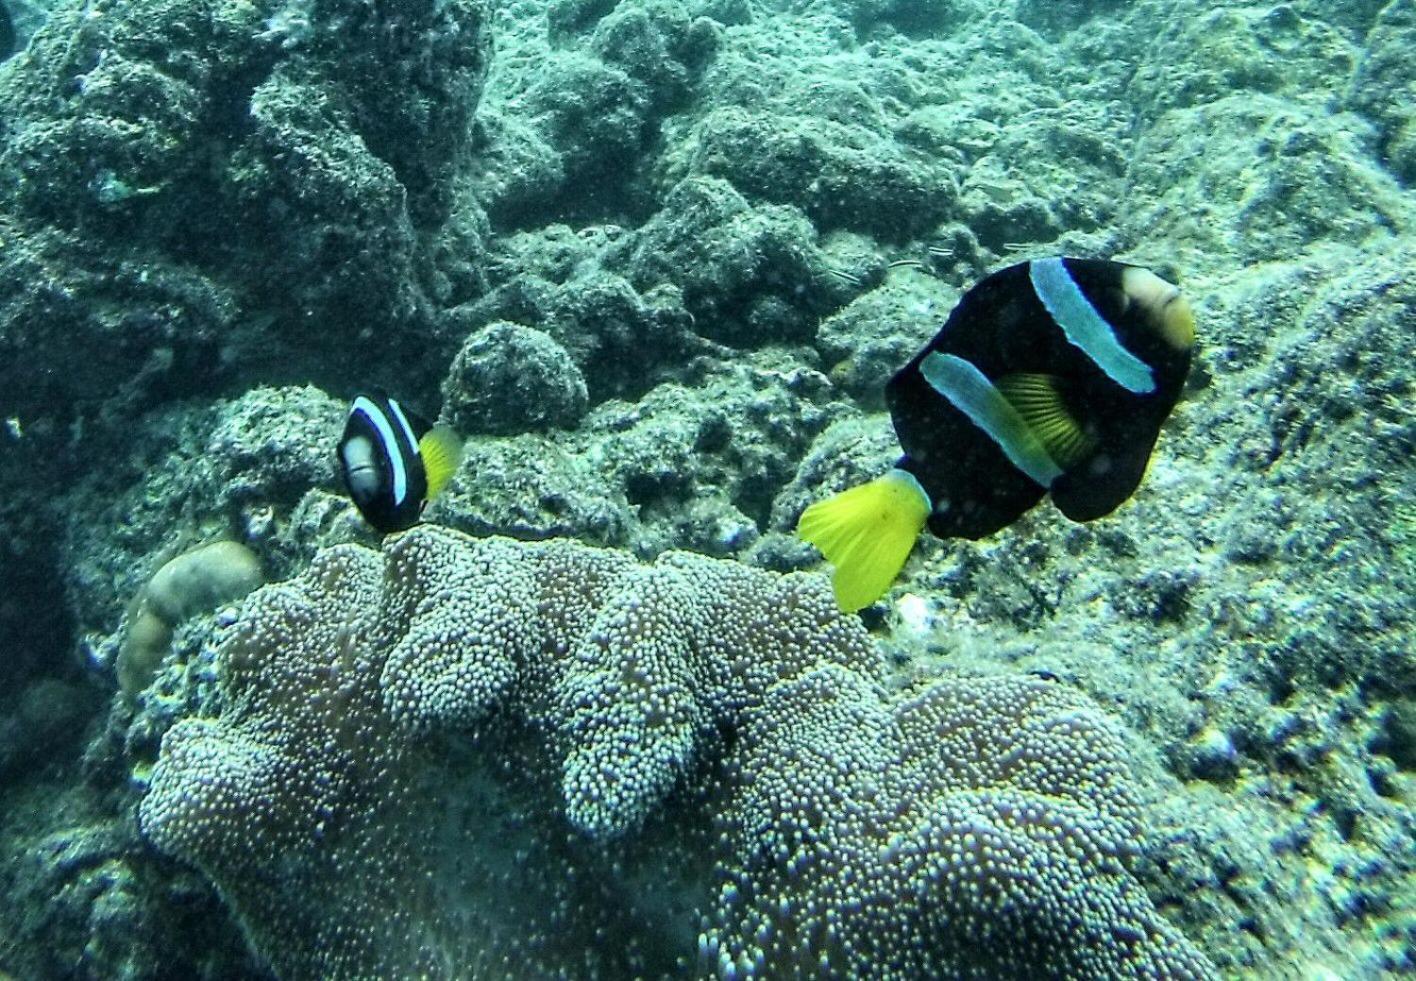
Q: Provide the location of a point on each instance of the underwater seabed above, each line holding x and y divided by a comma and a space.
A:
598, 714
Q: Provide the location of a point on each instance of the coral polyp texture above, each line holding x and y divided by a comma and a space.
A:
481, 758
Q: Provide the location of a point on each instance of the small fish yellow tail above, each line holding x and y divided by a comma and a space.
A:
867, 532
441, 450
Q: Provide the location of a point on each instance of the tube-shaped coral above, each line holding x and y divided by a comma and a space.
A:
194, 582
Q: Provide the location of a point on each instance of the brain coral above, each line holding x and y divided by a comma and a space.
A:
467, 758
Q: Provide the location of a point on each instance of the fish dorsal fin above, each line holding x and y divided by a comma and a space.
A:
1038, 399
441, 451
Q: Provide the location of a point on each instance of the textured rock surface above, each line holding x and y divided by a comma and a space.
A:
185, 181
220, 220
509, 379
379, 718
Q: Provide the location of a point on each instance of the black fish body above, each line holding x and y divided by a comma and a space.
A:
1002, 327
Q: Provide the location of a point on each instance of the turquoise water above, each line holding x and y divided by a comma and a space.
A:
598, 712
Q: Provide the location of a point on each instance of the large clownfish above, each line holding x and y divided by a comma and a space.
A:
392, 462
1051, 376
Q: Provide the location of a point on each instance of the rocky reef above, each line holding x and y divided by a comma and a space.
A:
655, 260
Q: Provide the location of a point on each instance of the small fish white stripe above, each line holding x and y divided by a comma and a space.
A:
388, 441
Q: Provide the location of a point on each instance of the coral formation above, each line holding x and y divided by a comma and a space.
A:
982, 827
511, 379
978, 824
149, 145
255, 469
1385, 83
748, 275
197, 581
729, 219
687, 465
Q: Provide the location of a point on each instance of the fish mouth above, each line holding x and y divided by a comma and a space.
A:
1177, 321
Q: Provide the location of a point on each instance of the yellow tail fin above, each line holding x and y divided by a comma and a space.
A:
867, 532
442, 452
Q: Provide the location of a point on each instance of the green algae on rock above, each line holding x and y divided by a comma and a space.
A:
195, 178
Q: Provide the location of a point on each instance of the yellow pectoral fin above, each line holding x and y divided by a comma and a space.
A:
1038, 400
867, 532
442, 452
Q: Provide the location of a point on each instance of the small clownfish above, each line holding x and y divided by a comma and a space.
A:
392, 462
1051, 376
